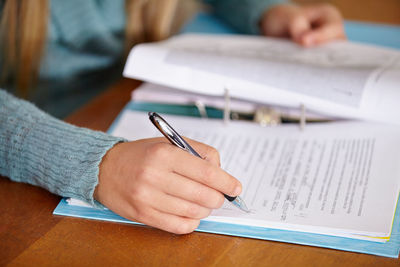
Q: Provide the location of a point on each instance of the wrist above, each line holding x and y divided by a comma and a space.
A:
106, 168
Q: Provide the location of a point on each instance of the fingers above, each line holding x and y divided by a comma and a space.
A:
176, 206
321, 35
281, 20
184, 188
154, 207
327, 25
161, 185
167, 222
298, 25
205, 173
197, 169
307, 25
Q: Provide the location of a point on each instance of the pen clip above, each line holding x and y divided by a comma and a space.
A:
170, 133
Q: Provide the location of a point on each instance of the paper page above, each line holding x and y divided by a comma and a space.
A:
318, 72
336, 178
338, 79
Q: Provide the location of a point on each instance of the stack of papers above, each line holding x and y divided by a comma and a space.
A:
339, 179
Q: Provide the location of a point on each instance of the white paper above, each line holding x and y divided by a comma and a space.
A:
339, 79
335, 178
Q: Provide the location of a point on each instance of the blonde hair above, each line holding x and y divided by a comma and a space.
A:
23, 29
23, 33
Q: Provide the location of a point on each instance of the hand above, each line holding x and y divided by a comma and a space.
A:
307, 25
161, 185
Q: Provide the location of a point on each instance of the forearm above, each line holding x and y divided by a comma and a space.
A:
244, 15
38, 149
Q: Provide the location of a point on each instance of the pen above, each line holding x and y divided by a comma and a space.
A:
177, 140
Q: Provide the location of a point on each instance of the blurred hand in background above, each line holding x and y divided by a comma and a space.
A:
308, 25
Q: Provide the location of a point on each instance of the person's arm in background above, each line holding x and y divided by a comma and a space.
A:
307, 25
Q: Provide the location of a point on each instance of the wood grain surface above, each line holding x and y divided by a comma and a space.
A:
31, 236
380, 11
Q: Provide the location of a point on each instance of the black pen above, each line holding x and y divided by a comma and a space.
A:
177, 140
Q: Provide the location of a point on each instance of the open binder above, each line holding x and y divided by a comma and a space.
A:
390, 248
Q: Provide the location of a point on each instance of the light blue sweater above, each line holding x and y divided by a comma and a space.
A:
83, 56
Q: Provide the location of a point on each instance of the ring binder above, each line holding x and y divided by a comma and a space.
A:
267, 116
201, 107
389, 248
227, 106
302, 117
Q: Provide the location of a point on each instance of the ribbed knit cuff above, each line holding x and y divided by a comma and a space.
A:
38, 149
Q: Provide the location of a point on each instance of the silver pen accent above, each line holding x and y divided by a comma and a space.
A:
177, 140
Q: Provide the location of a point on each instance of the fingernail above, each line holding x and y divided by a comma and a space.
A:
238, 190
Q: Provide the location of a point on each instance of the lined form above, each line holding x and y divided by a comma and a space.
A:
340, 178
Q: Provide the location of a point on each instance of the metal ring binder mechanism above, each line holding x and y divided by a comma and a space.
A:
201, 108
265, 116
227, 106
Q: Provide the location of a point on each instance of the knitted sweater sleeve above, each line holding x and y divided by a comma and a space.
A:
38, 149
244, 15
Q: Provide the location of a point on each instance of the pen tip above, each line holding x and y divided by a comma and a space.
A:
239, 202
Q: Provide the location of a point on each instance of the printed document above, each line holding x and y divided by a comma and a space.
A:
339, 178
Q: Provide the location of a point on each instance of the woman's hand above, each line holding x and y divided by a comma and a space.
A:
308, 25
161, 185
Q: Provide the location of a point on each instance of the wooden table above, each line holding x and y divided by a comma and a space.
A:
31, 235
381, 11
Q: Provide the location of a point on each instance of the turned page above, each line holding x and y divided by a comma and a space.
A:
342, 78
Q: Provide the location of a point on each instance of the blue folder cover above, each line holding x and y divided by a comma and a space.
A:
379, 34
388, 249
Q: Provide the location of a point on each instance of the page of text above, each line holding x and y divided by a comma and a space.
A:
338, 176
